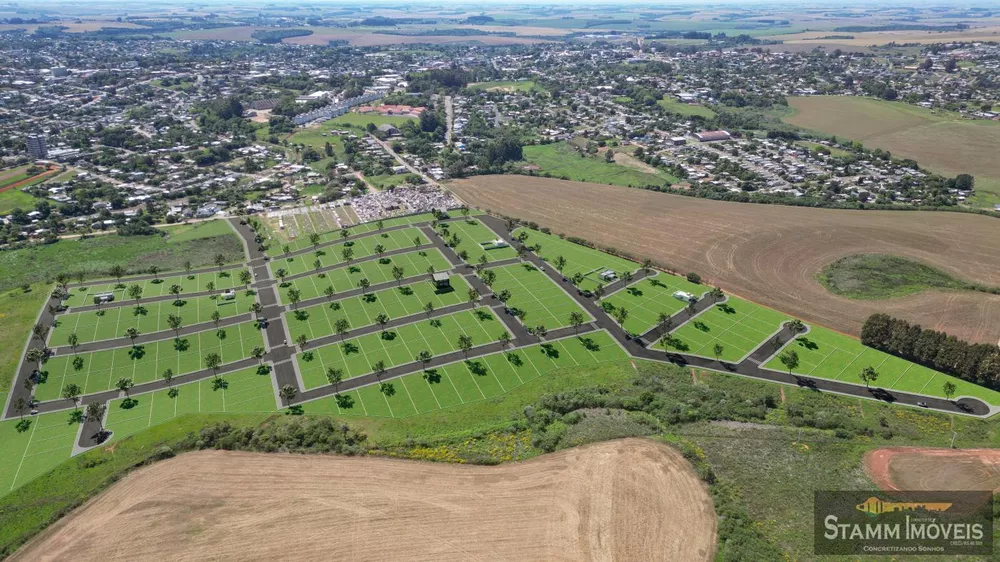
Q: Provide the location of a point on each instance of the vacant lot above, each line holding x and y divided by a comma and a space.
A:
769, 253
938, 140
918, 468
562, 160
877, 276
624, 500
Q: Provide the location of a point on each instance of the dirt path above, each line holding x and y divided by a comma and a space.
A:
620, 500
32, 179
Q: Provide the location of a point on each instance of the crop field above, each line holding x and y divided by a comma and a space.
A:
375, 271
561, 160
318, 321
542, 302
27, 453
826, 354
398, 346
302, 242
111, 322
649, 297
472, 236
466, 382
361, 247
244, 391
927, 136
737, 325
579, 259
195, 283
143, 363
771, 252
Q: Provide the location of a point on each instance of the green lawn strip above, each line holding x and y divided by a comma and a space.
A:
465, 383
320, 320
398, 346
739, 326
649, 297
561, 160
100, 370
827, 354
18, 310
476, 239
362, 247
34, 449
112, 322
375, 271
226, 279
246, 391
544, 302
275, 249
579, 259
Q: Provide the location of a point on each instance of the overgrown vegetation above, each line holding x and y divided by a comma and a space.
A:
881, 276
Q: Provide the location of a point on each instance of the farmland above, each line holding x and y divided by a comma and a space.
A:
770, 253
927, 136
562, 160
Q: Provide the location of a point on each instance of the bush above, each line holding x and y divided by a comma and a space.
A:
694, 278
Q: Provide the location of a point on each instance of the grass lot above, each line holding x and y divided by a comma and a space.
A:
376, 271
813, 146
111, 323
275, 249
508, 86
314, 137
560, 160
646, 299
398, 346
927, 136
361, 120
18, 311
579, 259
737, 325
144, 363
30, 451
318, 321
386, 181
881, 276
472, 235
16, 199
465, 383
686, 109
246, 391
543, 302
198, 243
363, 247
829, 355
226, 279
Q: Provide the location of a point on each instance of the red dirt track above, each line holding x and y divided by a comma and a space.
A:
920, 468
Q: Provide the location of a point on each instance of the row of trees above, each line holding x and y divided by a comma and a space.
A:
978, 363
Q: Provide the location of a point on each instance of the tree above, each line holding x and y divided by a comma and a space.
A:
717, 350
317, 264
647, 266
379, 250
281, 273
213, 361
216, 317
135, 293
220, 260
397, 273
577, 278
167, 376
482, 262
154, 270
74, 341
344, 233
187, 267
36, 356
95, 411
72, 393
868, 375
174, 322
314, 239
125, 384
286, 249
379, 369
473, 296
465, 344
301, 340
489, 276
504, 296
175, 290
790, 359
716, 294
20, 405
429, 308
131, 334
949, 390
560, 263
348, 254
950, 65
329, 292
599, 291
39, 331
210, 286
288, 393
796, 326
294, 296
504, 339
576, 320
256, 308
117, 272
416, 242
364, 283
621, 314
424, 357
382, 320
258, 353
335, 376
341, 326
245, 278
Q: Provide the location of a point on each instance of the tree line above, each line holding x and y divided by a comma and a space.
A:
974, 362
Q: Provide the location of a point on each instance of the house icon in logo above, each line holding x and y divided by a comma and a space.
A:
875, 506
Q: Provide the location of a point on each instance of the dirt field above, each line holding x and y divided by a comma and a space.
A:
767, 253
914, 468
620, 500
866, 38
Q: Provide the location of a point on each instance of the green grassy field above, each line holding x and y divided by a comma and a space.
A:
649, 297
928, 136
687, 109
317, 321
111, 323
100, 370
579, 259
474, 239
398, 346
275, 249
375, 271
198, 243
543, 302
317, 137
386, 181
827, 354
737, 325
362, 248
561, 160
226, 279
18, 311
880, 276
361, 120
16, 199
28, 452
508, 86
471, 382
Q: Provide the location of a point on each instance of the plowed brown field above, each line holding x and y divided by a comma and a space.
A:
767, 253
916, 468
631, 499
